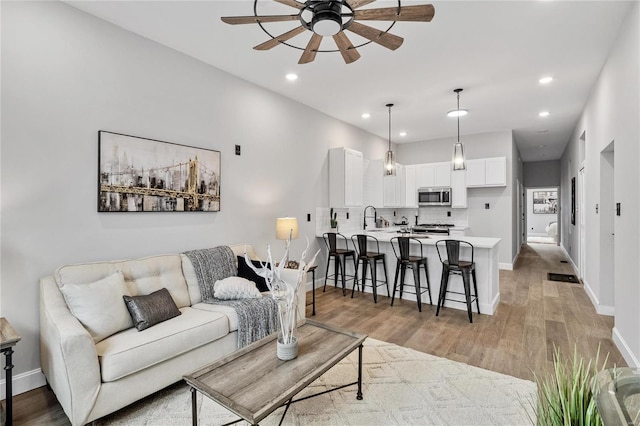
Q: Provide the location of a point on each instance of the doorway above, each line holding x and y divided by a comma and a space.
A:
542, 215
607, 219
581, 225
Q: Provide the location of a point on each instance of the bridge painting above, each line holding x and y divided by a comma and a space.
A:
145, 175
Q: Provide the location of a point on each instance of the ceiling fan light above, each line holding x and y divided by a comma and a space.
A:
327, 19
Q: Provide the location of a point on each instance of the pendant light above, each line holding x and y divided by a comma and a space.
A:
389, 161
458, 149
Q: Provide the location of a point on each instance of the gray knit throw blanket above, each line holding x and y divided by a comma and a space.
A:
257, 318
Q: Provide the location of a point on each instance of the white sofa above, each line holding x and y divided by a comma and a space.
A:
91, 379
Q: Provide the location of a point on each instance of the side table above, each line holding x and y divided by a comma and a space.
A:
8, 339
312, 269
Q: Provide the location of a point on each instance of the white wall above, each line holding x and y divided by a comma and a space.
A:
611, 115
66, 75
537, 222
498, 221
536, 174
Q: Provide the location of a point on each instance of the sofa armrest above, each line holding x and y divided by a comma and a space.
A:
68, 355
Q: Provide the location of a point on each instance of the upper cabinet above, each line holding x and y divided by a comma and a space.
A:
433, 175
459, 189
394, 188
345, 178
410, 188
486, 172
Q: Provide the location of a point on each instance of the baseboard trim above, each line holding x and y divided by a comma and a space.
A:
506, 266
23, 382
624, 349
573, 265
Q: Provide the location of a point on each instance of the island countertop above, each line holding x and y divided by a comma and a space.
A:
485, 258
386, 234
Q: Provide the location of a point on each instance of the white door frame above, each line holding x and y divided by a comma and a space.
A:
582, 262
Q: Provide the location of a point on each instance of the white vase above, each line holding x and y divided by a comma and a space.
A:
287, 351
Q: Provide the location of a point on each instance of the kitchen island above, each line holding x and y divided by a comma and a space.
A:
485, 257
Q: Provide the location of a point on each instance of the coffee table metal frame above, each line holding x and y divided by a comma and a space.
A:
287, 398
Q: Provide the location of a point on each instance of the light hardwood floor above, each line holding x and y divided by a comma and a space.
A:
534, 315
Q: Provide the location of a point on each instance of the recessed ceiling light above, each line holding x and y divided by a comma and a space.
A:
543, 131
457, 113
544, 114
292, 76
546, 80
403, 134
366, 115
541, 146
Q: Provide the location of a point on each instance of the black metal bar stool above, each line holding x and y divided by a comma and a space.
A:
369, 258
452, 264
402, 249
339, 254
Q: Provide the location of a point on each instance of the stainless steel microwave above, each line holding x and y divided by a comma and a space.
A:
434, 196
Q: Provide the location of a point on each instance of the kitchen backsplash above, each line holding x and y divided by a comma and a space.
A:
354, 223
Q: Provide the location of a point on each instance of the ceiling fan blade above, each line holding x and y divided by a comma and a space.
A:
282, 37
421, 13
234, 20
349, 53
310, 51
292, 3
387, 40
358, 3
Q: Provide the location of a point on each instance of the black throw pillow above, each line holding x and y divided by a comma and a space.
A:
244, 271
149, 310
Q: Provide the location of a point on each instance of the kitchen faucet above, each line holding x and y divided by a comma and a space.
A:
364, 213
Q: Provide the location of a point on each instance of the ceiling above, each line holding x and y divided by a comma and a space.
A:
497, 51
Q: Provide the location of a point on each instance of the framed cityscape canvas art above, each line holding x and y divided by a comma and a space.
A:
144, 175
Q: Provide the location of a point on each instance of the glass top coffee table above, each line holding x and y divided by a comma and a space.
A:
253, 382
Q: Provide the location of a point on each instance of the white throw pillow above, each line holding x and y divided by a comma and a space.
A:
99, 306
235, 288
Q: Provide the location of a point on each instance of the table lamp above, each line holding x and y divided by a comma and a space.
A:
287, 229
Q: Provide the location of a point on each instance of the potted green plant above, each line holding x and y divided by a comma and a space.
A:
565, 396
334, 220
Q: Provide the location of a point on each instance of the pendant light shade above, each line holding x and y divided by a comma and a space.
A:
458, 149
389, 159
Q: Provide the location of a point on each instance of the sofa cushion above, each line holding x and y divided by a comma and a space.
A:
99, 305
151, 309
130, 351
190, 273
143, 276
227, 311
245, 271
233, 288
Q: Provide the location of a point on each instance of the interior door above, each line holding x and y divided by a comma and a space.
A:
581, 223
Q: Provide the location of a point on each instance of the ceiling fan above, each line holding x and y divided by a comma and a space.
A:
326, 18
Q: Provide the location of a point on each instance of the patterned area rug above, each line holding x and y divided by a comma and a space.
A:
400, 386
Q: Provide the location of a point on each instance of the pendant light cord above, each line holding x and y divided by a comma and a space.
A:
458, 117
390, 128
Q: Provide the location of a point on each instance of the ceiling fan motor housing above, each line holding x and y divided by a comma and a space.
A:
327, 18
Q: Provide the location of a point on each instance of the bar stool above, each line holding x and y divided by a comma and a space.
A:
339, 255
369, 258
402, 250
452, 264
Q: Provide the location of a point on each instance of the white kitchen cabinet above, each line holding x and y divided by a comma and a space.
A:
433, 175
425, 176
496, 171
485, 172
394, 188
442, 174
410, 193
345, 178
373, 183
459, 189
457, 232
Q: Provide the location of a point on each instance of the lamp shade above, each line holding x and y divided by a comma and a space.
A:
285, 227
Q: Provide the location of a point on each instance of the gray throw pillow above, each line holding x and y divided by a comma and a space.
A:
149, 310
